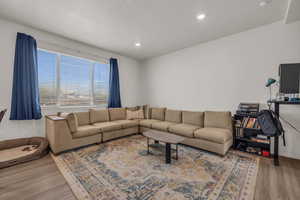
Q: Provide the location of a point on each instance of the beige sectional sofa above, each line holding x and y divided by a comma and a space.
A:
73, 130
211, 131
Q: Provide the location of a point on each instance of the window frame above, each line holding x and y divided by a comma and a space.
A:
58, 80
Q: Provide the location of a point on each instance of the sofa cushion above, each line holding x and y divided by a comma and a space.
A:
83, 118
186, 130
85, 131
137, 114
133, 108
158, 113
99, 115
217, 135
218, 119
193, 118
148, 122
163, 125
127, 123
117, 114
108, 126
173, 116
71, 120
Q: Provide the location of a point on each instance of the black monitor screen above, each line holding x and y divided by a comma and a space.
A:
289, 78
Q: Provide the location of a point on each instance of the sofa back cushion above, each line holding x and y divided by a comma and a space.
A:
193, 118
134, 108
218, 119
99, 115
71, 120
158, 113
117, 114
173, 116
83, 118
136, 114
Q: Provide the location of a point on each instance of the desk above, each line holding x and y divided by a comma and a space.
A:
277, 112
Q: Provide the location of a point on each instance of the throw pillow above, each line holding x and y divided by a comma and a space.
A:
71, 120
135, 108
138, 114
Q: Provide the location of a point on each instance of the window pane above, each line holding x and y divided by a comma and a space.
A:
101, 74
47, 77
74, 81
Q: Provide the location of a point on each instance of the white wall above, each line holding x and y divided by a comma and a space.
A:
220, 74
129, 70
212, 76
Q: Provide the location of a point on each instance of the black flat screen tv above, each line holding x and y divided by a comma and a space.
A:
289, 78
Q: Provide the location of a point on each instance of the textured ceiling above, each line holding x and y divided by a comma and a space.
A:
161, 26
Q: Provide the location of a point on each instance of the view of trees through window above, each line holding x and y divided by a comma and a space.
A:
71, 81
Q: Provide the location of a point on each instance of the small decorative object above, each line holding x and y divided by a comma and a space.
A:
2, 113
266, 153
269, 83
286, 98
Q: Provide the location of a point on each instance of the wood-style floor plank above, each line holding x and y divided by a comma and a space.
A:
41, 179
278, 183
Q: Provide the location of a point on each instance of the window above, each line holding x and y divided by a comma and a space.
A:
47, 77
71, 81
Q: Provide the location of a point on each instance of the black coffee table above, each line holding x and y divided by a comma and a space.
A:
167, 138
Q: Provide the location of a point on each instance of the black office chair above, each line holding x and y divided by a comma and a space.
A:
2, 113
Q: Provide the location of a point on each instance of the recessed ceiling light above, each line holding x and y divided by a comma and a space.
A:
201, 17
264, 3
137, 44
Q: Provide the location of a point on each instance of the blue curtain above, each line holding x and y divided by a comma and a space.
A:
114, 98
25, 103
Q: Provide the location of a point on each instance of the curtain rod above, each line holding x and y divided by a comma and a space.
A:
74, 50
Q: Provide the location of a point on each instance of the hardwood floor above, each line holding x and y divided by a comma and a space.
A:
41, 179
281, 182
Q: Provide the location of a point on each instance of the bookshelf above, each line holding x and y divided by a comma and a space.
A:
248, 136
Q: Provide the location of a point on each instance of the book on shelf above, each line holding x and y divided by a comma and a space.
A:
258, 126
245, 113
240, 132
248, 108
260, 140
245, 121
238, 123
255, 124
251, 123
253, 150
262, 137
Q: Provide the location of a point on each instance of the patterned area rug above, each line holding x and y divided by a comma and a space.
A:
122, 169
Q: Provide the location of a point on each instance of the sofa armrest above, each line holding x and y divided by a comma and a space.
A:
58, 133
54, 117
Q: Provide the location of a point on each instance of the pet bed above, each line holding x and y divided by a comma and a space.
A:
21, 150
